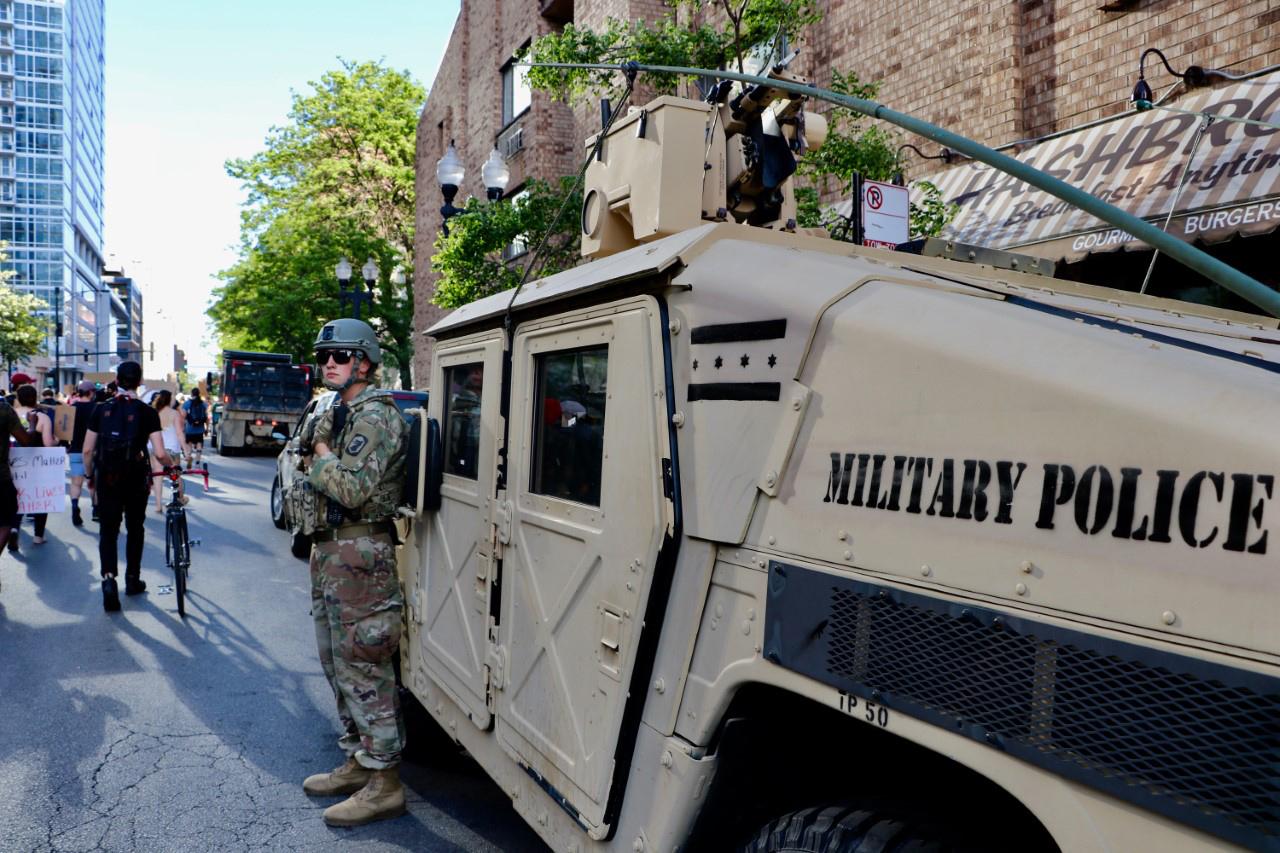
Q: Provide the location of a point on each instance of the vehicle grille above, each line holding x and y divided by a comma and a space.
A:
1196, 741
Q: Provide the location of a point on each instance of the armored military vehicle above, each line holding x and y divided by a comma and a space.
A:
745, 538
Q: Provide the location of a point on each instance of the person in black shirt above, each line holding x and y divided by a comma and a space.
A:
115, 447
83, 404
10, 425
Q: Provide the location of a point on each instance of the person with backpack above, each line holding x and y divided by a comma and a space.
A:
197, 416
83, 404
116, 464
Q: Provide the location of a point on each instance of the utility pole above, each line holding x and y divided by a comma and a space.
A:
57, 340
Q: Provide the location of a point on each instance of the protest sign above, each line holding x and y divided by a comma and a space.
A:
39, 474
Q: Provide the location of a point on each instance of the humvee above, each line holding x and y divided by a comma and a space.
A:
737, 537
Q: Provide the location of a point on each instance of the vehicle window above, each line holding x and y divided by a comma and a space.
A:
306, 413
569, 424
462, 419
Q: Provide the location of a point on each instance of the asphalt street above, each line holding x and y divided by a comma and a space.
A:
141, 731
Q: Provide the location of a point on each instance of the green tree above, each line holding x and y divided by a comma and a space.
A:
471, 259
337, 179
23, 329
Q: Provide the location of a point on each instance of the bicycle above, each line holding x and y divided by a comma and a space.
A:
177, 544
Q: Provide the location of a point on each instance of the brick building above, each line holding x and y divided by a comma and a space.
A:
998, 72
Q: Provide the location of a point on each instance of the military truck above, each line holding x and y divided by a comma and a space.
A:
261, 394
747, 539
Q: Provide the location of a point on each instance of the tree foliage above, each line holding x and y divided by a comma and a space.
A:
470, 258
336, 180
22, 328
685, 37
870, 150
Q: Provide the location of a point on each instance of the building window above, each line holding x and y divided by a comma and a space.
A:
516, 95
462, 419
568, 451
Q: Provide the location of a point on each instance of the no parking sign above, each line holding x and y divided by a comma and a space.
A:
885, 214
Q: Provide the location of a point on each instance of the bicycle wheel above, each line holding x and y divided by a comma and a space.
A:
168, 540
181, 560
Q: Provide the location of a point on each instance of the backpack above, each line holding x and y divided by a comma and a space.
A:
117, 457
196, 414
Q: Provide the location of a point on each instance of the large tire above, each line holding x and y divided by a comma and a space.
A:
277, 504
843, 829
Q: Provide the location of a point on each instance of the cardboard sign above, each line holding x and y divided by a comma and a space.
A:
64, 422
40, 475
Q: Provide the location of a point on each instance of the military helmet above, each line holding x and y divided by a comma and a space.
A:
348, 333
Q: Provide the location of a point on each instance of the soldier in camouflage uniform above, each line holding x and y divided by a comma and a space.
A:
357, 472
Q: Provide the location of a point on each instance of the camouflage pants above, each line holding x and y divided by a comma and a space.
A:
357, 605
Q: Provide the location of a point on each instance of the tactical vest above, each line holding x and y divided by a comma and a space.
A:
376, 411
381, 407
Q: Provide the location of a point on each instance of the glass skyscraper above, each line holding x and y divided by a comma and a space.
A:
51, 170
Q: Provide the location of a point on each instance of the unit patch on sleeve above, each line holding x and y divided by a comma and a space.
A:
357, 444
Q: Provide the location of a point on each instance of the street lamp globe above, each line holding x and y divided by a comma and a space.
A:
450, 172
343, 270
370, 272
496, 175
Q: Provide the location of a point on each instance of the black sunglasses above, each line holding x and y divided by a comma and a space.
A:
340, 356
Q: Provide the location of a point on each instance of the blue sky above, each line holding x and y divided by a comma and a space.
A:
191, 84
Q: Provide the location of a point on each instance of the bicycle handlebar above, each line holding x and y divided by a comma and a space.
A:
174, 473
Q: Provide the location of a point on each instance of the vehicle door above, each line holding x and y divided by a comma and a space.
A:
588, 515
455, 576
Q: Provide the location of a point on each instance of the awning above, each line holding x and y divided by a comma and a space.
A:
1134, 162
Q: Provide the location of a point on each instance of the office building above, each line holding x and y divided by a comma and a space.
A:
51, 174
124, 320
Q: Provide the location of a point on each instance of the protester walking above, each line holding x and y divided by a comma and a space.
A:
83, 405
196, 414
42, 425
10, 427
115, 456
175, 445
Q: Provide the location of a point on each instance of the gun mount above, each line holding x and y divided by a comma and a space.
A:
648, 180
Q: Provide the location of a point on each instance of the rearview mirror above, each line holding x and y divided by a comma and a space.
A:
279, 436
424, 464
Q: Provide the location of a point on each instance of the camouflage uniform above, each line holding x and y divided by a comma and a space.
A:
356, 599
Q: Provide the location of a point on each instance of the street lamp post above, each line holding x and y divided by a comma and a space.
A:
370, 274
450, 172
496, 175
350, 297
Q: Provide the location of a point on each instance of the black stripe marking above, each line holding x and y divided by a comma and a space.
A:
1101, 322
726, 333
769, 391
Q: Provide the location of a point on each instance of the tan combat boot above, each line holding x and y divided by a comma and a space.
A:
382, 798
347, 779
